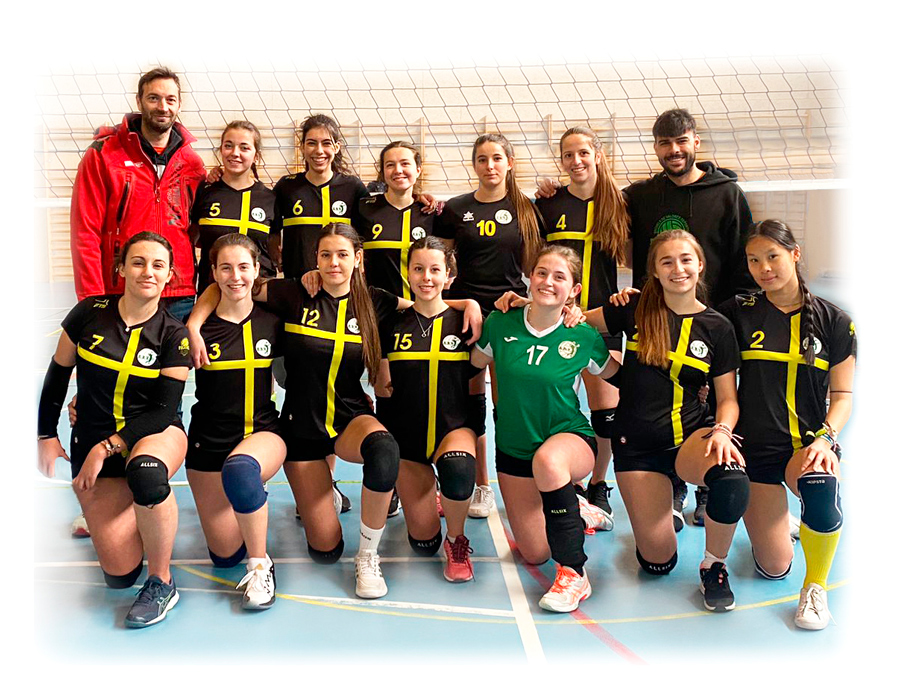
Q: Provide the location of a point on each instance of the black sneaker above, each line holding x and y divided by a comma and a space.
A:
394, 509
702, 496
155, 599
598, 495
717, 595
345, 501
679, 494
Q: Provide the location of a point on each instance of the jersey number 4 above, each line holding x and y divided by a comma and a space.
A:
531, 351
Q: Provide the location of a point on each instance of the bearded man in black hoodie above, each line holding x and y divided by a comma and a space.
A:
694, 196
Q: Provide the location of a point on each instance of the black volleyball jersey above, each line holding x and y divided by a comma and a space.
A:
489, 246
323, 357
234, 391
430, 375
304, 209
387, 233
220, 210
782, 398
117, 365
568, 220
659, 407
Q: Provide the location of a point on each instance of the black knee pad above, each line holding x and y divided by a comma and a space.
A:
243, 483
123, 581
228, 561
477, 413
456, 473
766, 574
656, 568
425, 547
564, 526
820, 502
729, 492
381, 461
148, 479
332, 556
602, 420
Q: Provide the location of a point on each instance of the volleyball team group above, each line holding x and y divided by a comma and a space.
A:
743, 395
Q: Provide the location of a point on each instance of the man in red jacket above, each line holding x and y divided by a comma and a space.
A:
139, 175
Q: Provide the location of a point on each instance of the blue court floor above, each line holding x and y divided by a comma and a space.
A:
631, 619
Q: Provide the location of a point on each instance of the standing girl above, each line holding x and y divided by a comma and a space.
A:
496, 231
237, 203
132, 360
544, 442
674, 345
799, 356
590, 217
233, 443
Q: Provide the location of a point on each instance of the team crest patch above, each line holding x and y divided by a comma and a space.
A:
339, 208
450, 342
699, 349
670, 222
817, 345
263, 347
353, 325
468, 216
146, 357
258, 214
503, 216
184, 347
418, 233
567, 349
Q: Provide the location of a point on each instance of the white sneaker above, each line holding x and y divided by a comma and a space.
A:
370, 582
812, 611
568, 590
482, 502
258, 586
80, 527
594, 518
795, 527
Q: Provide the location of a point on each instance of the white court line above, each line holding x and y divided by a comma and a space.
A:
279, 561
399, 605
534, 651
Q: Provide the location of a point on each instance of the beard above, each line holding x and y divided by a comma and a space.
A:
689, 159
156, 126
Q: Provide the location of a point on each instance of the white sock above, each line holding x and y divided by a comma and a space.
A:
369, 537
709, 560
252, 563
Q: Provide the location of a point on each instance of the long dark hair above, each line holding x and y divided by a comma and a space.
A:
360, 301
435, 244
781, 234
244, 125
528, 225
417, 158
145, 236
651, 316
339, 165
610, 226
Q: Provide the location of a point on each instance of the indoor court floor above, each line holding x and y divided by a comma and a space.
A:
631, 619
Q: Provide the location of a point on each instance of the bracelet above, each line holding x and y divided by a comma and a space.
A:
41, 437
726, 430
823, 434
111, 448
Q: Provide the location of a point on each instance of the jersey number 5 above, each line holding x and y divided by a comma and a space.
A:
531, 350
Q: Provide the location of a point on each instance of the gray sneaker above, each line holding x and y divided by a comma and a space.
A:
154, 600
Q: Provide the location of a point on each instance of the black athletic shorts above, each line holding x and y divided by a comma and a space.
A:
513, 466
113, 467
629, 459
205, 455
766, 465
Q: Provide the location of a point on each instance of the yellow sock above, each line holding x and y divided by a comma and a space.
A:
818, 550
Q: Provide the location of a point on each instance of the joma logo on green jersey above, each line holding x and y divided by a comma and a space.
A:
670, 222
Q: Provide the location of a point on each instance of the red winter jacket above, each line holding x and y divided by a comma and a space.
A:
117, 194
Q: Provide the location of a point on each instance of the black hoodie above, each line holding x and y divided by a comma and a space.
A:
713, 209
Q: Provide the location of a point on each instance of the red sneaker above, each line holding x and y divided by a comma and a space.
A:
457, 564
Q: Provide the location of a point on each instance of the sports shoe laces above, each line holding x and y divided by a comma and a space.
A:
255, 580
369, 564
563, 580
460, 550
815, 602
151, 590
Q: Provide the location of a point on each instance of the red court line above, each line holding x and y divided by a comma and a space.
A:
588, 622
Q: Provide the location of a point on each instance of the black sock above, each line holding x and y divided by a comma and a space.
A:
565, 529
